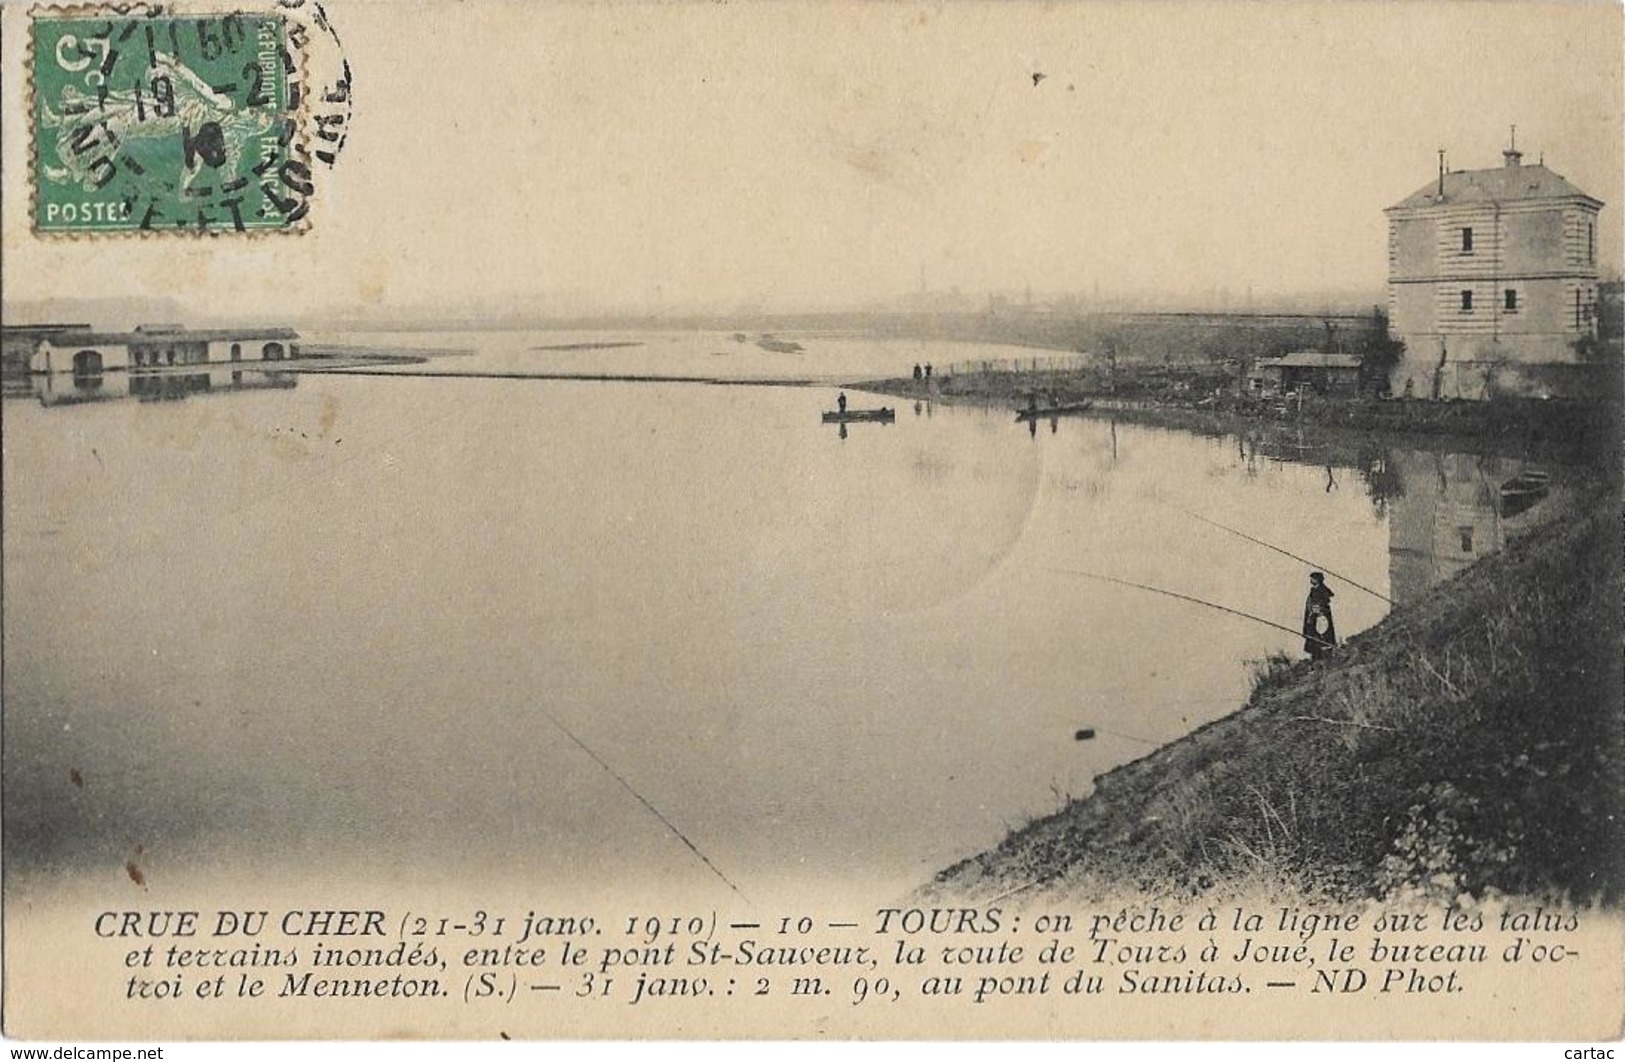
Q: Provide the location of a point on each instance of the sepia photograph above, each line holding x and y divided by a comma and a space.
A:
819, 520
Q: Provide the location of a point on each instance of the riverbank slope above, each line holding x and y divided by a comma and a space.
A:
1469, 743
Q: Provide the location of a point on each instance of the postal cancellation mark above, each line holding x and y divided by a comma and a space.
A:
149, 122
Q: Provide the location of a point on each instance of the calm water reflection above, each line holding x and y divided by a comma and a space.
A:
331, 623
163, 386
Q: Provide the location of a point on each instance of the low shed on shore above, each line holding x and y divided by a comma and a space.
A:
1326, 374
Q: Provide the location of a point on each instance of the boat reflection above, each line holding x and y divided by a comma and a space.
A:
842, 416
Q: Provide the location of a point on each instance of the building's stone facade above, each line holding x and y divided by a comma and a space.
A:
1492, 280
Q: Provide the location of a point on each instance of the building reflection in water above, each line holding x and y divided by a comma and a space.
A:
60, 390
1449, 510
1444, 510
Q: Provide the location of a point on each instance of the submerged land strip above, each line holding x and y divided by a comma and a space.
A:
590, 377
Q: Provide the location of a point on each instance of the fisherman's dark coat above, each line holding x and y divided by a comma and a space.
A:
1318, 634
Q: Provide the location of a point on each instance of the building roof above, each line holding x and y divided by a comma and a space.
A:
1309, 359
1503, 184
88, 339
147, 335
152, 334
42, 329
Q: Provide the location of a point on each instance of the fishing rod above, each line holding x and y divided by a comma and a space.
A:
1194, 601
1088, 733
582, 745
1278, 549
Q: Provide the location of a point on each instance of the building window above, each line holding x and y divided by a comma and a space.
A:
1466, 302
1466, 534
1466, 241
1512, 301
1591, 241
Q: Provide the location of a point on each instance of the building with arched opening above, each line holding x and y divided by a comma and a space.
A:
154, 347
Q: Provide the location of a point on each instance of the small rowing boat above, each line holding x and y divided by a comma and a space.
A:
1523, 491
848, 416
1071, 409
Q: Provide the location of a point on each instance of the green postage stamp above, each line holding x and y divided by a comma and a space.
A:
149, 122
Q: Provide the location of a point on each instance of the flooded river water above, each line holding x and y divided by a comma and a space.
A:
449, 627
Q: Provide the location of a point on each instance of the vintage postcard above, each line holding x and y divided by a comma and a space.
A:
812, 520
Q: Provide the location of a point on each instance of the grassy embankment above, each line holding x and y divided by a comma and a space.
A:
1470, 743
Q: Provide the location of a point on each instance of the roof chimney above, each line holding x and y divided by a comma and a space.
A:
1441, 173
1513, 157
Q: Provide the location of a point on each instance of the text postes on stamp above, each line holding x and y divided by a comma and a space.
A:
153, 122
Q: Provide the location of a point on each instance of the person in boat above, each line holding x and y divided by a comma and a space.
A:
840, 401
1319, 632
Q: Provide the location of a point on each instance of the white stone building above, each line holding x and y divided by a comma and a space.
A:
1492, 280
158, 346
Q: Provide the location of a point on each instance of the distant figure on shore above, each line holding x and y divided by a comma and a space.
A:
928, 370
840, 401
1319, 632
917, 373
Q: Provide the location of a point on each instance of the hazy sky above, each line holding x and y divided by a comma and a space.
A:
790, 154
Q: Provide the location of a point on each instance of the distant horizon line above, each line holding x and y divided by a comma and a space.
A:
22, 315
120, 311
932, 303
786, 321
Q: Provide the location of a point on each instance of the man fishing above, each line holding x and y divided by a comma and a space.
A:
1319, 632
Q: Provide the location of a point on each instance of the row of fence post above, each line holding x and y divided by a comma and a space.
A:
989, 365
